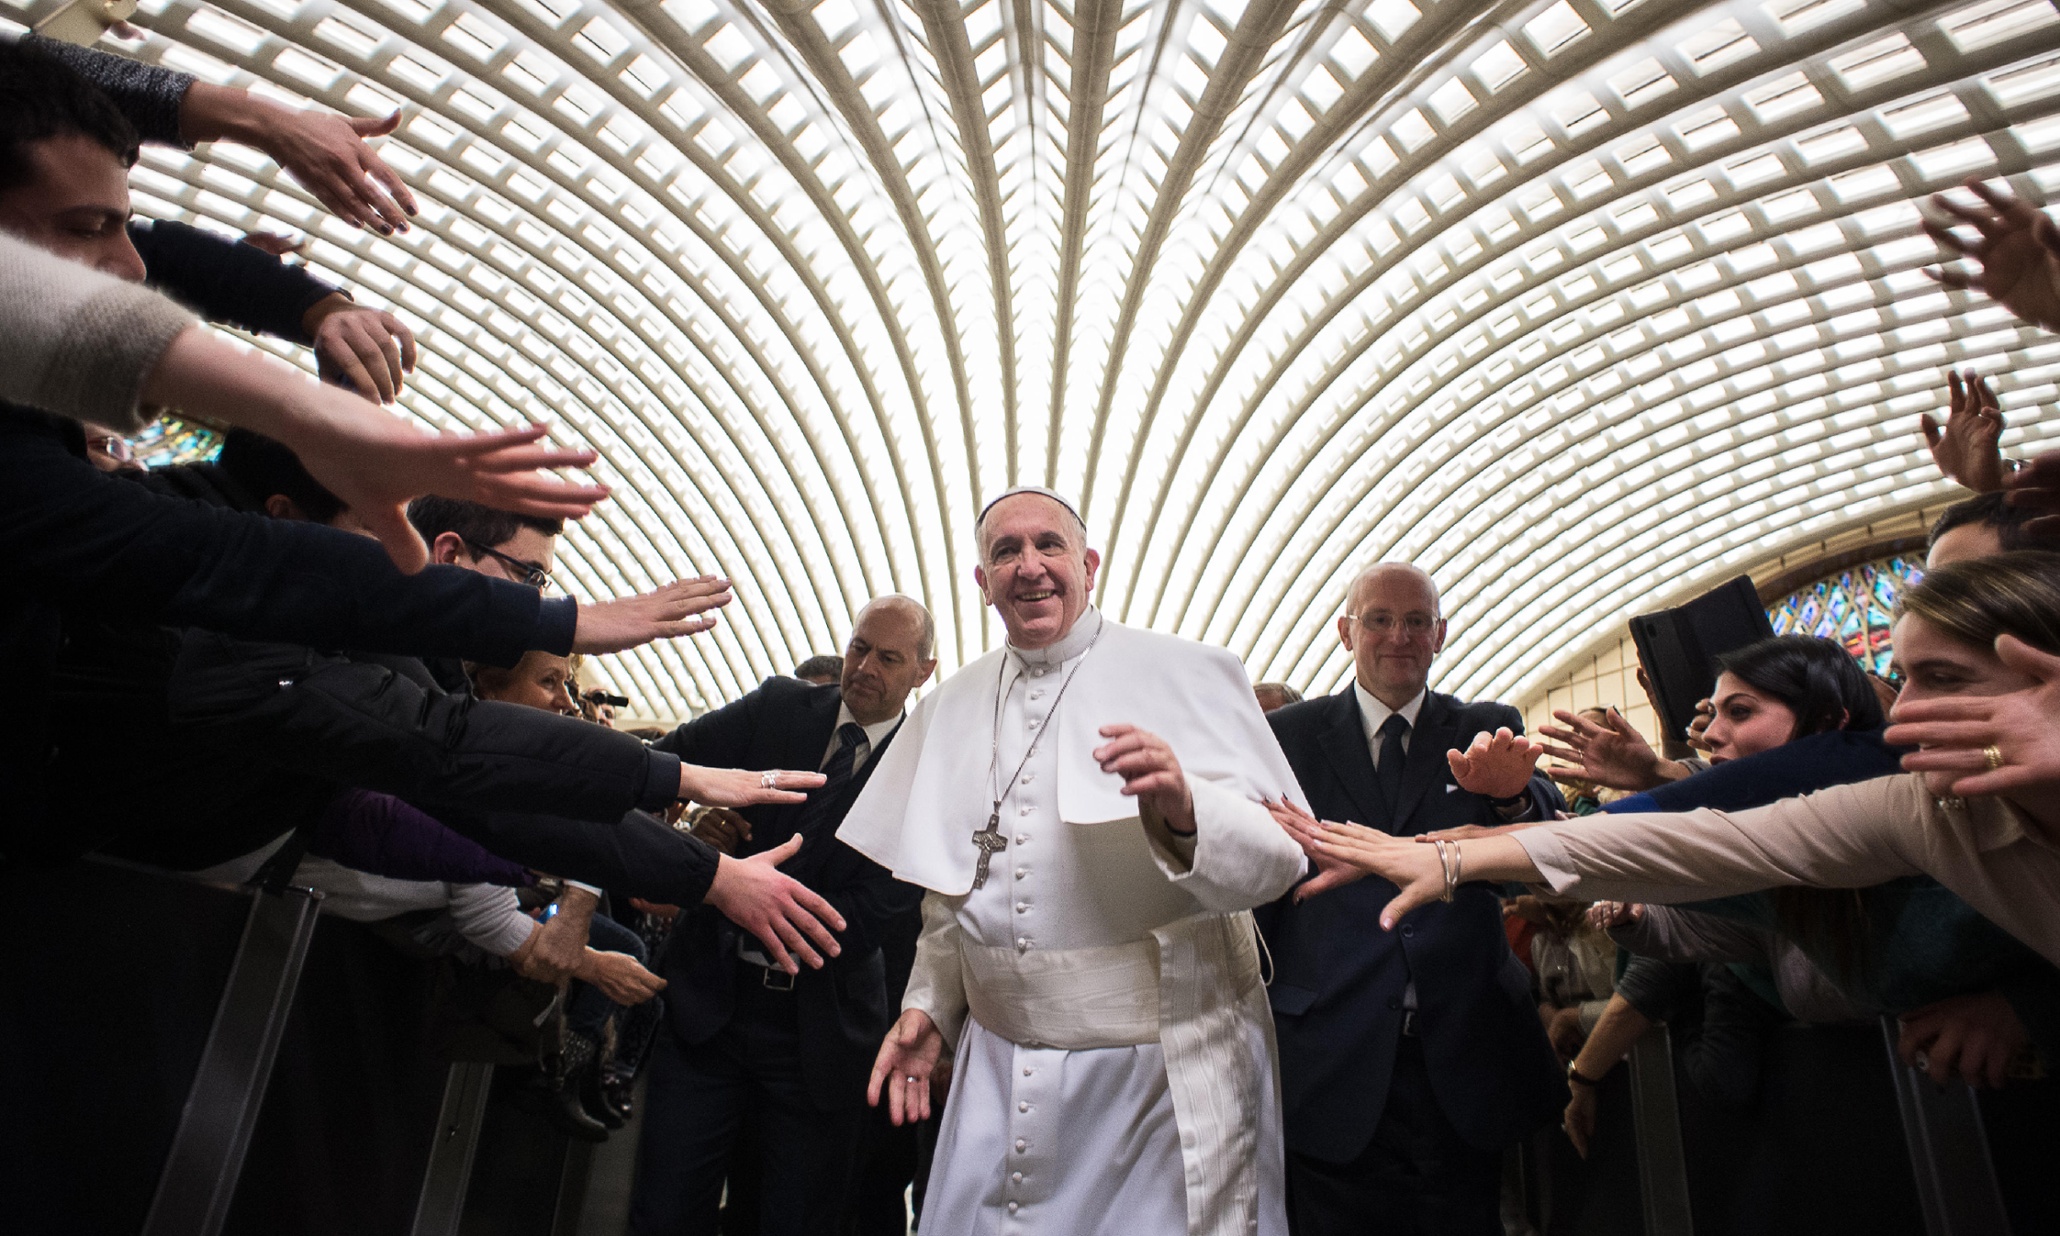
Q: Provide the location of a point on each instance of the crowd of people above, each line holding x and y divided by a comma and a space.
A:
1096, 937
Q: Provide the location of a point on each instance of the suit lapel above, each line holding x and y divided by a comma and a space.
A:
1427, 765
1344, 745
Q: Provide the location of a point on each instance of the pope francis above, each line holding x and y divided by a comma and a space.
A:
1086, 807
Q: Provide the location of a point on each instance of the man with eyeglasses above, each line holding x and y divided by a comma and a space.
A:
1409, 1060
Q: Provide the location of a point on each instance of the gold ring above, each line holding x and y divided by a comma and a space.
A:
1993, 755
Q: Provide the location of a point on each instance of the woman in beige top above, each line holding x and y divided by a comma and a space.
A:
2000, 850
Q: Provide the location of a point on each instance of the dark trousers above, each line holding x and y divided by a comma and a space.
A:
695, 1103
887, 1162
1417, 1177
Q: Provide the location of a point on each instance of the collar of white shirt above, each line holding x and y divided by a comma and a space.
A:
1373, 714
873, 734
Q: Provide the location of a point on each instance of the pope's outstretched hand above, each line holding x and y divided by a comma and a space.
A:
904, 1066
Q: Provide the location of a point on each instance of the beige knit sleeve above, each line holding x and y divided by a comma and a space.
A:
77, 342
1849, 836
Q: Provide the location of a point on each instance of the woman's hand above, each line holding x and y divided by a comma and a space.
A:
1609, 753
1412, 868
1331, 871
1970, 1037
1953, 734
738, 787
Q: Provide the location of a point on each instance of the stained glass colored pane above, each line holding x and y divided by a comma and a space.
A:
1854, 607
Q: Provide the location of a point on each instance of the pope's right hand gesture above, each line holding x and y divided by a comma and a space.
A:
904, 1066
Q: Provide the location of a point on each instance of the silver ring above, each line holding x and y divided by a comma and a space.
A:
769, 781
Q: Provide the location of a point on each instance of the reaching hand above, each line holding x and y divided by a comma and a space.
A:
1953, 733
1331, 871
555, 949
2016, 249
908, 1056
720, 829
1412, 868
1151, 773
1609, 753
1968, 449
325, 152
778, 909
369, 348
373, 461
1604, 915
1972, 1037
670, 612
621, 977
739, 787
1705, 713
1497, 765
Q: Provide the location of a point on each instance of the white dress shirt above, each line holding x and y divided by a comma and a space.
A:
1373, 714
874, 733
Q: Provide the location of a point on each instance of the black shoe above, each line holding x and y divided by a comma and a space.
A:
593, 1099
559, 1105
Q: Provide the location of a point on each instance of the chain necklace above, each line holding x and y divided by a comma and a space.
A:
989, 839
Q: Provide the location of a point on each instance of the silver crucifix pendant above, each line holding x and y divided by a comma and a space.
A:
991, 842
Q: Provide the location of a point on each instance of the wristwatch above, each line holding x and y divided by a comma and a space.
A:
1574, 1075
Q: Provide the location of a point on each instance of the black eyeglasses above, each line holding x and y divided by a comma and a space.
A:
525, 572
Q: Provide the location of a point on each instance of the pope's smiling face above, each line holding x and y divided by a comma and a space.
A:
1035, 568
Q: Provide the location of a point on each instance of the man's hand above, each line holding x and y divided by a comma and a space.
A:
721, 829
1497, 765
1969, 448
1151, 773
325, 152
620, 977
1952, 733
1971, 1037
368, 348
738, 787
908, 1056
678, 609
1331, 871
2015, 246
1609, 753
776, 908
557, 947
1579, 1121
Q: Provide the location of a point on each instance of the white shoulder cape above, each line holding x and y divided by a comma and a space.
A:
933, 788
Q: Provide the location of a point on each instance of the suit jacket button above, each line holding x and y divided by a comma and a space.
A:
1408, 930
1394, 1002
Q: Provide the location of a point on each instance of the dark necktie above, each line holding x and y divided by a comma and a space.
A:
1389, 774
836, 773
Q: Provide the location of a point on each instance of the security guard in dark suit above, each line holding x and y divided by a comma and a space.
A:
1409, 1060
792, 1050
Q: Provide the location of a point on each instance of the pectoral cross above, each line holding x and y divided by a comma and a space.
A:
991, 842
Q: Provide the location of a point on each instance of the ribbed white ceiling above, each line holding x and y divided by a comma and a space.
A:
1582, 306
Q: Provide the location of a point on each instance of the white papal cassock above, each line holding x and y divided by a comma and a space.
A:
1115, 1064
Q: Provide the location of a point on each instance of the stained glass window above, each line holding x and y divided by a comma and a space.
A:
1854, 607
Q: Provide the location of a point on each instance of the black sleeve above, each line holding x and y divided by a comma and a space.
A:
1723, 1061
363, 724
724, 738
1658, 989
635, 855
227, 281
88, 540
148, 96
871, 906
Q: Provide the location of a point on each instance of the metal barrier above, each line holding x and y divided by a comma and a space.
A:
1949, 1155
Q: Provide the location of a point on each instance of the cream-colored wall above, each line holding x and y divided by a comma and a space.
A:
1606, 673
